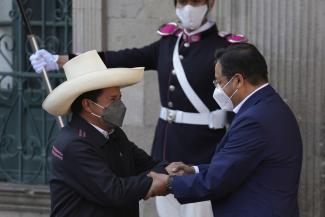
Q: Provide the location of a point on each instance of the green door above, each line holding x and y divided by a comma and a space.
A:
26, 131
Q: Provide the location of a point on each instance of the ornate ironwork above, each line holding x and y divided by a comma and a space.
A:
26, 131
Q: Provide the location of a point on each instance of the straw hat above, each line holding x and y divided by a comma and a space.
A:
84, 73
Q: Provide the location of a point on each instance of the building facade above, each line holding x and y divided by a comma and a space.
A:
291, 34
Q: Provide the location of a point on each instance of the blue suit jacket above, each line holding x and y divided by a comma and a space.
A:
255, 170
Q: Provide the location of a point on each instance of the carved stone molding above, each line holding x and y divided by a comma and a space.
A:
24, 199
89, 27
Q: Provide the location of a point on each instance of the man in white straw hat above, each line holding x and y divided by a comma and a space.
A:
96, 170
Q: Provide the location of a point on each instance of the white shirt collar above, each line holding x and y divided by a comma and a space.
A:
104, 132
202, 28
236, 109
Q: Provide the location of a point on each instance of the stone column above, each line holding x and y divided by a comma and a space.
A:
24, 200
89, 27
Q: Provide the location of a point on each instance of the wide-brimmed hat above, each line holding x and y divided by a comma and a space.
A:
84, 73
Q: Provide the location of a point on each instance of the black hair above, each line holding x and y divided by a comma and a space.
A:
76, 106
245, 59
175, 2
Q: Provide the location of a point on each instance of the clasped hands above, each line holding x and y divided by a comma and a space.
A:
159, 186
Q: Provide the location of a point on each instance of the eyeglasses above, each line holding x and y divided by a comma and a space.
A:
216, 83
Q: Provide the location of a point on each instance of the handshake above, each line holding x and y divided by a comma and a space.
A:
161, 183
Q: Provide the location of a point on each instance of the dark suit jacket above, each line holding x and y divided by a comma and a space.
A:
93, 176
255, 170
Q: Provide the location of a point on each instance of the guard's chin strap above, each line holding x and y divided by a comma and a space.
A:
206, 14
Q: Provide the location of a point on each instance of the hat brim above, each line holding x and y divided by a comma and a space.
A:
59, 101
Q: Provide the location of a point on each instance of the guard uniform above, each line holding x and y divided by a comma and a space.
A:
187, 142
97, 176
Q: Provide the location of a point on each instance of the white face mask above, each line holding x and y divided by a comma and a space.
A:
192, 17
223, 100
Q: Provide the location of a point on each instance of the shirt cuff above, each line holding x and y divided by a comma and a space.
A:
196, 169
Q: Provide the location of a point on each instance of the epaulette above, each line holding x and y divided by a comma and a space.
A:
233, 38
82, 133
57, 153
169, 29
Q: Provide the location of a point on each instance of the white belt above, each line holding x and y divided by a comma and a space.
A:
215, 120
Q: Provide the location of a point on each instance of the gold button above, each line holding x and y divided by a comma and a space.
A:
171, 88
186, 44
170, 104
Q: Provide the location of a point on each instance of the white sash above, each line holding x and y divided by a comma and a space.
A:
181, 77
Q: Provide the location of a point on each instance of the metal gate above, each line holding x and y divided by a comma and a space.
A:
26, 131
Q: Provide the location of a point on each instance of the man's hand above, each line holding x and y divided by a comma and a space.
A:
179, 169
158, 186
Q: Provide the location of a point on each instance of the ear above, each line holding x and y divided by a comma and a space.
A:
86, 105
240, 79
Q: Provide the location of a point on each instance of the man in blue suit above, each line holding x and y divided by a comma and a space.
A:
256, 167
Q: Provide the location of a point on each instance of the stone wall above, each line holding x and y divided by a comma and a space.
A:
24, 200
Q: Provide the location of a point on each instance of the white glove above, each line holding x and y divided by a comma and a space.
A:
44, 59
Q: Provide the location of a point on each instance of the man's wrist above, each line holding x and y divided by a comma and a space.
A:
62, 60
195, 169
169, 186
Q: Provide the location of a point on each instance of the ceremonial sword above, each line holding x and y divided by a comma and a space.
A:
32, 40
